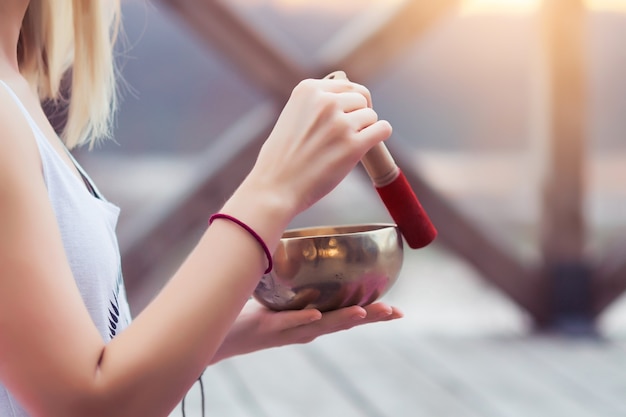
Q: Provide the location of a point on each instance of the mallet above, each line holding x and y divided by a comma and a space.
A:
396, 193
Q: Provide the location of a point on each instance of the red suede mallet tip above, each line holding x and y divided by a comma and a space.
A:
407, 212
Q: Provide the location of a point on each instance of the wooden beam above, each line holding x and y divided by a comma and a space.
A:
360, 49
563, 234
374, 39
277, 75
609, 279
220, 169
461, 236
564, 34
218, 25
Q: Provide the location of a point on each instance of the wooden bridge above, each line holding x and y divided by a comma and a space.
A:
567, 287
487, 333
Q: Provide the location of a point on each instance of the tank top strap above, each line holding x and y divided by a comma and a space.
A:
45, 147
29, 118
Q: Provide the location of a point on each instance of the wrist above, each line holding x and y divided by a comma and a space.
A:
251, 231
262, 209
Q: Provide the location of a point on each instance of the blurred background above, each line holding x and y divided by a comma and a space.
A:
499, 108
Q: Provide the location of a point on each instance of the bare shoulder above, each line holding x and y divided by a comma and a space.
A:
19, 156
22, 185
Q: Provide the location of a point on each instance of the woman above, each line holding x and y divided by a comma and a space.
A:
67, 345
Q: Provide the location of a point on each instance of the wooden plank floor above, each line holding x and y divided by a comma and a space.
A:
388, 372
461, 351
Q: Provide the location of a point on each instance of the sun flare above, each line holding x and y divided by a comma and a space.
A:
529, 6
465, 6
324, 5
607, 5
499, 6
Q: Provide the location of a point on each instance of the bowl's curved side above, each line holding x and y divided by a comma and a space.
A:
328, 271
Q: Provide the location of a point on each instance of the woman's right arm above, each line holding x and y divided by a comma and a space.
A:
51, 355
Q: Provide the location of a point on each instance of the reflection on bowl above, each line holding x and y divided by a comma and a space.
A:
331, 267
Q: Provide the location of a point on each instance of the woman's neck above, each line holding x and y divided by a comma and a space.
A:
11, 16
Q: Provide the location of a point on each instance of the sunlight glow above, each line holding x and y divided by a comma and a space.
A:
343, 6
499, 6
529, 6
607, 5
467, 7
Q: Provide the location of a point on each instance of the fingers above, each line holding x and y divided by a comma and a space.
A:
324, 129
373, 133
350, 316
342, 76
362, 118
295, 318
351, 101
382, 312
336, 86
351, 98
343, 319
355, 316
344, 86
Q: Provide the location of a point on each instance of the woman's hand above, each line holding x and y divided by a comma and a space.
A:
259, 328
324, 130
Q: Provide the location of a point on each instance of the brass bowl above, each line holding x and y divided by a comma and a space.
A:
332, 267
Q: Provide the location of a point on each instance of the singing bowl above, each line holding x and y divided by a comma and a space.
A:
331, 267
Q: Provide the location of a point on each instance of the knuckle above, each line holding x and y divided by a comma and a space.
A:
328, 106
365, 92
305, 86
363, 100
371, 114
341, 125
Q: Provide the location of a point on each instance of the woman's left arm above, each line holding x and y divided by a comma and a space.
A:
258, 328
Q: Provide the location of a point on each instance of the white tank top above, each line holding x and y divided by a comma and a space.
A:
87, 223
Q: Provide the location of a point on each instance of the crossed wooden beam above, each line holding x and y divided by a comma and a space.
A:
564, 285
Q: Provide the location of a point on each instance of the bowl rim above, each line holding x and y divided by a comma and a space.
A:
350, 230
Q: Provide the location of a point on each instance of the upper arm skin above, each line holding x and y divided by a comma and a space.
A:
49, 347
52, 358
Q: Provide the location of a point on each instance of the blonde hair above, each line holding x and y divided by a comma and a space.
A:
51, 48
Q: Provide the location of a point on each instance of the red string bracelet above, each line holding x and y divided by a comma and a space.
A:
249, 230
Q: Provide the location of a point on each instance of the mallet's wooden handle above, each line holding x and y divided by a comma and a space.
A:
380, 166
